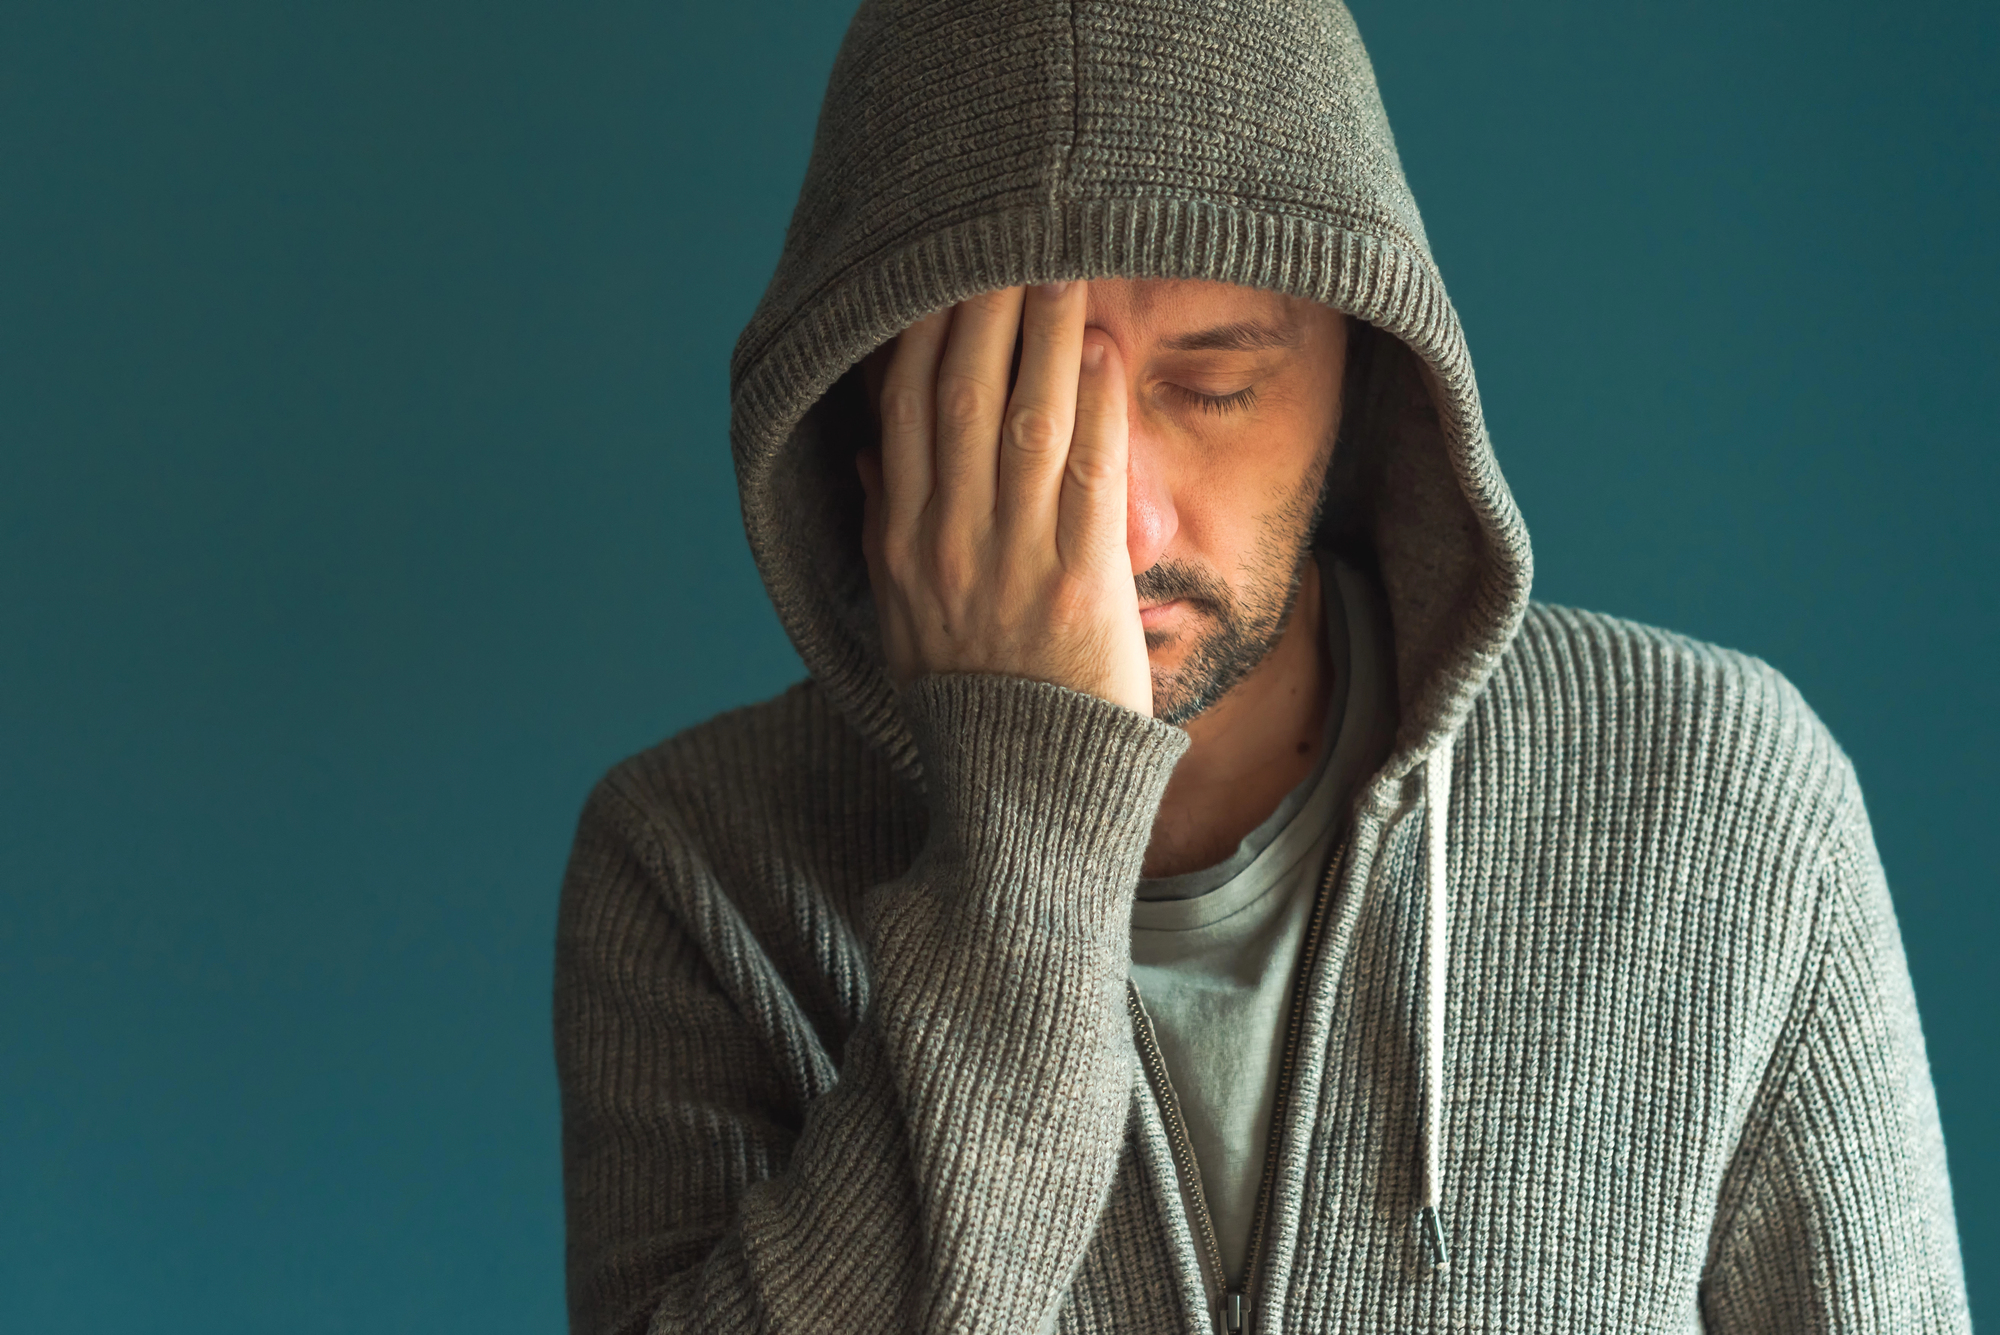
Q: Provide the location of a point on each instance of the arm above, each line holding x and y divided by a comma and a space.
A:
1838, 1215
952, 1175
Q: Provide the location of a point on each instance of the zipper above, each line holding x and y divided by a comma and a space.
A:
1236, 1302
1287, 1063
1177, 1136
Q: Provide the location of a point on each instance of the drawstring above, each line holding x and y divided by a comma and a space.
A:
1437, 804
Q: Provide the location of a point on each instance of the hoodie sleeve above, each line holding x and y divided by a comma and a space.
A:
953, 1174
1838, 1215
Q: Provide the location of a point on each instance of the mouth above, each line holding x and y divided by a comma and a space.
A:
1156, 616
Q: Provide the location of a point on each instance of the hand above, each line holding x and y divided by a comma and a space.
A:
995, 523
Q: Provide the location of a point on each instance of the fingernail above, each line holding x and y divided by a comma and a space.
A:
1051, 290
1093, 355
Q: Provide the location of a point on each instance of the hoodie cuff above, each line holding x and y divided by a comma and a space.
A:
1038, 784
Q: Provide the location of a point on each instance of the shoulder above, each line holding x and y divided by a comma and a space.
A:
1661, 764
1592, 659
1707, 728
1639, 805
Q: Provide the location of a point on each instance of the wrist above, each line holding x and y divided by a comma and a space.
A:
1048, 785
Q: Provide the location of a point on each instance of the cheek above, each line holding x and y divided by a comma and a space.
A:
1230, 490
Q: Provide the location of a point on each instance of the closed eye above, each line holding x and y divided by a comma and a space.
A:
1218, 403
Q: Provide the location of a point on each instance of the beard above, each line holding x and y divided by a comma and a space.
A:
1242, 628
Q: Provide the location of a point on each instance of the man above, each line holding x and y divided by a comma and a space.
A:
1196, 889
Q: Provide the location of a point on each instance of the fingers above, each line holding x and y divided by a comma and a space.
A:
995, 532
971, 399
907, 402
1041, 412
1090, 525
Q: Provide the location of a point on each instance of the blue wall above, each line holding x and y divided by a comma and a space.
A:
364, 493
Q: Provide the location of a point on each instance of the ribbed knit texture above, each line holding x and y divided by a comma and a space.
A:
839, 995
1683, 1071
962, 1157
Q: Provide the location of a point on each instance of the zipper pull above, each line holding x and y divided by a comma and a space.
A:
1233, 1314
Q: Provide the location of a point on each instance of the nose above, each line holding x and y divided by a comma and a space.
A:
1150, 518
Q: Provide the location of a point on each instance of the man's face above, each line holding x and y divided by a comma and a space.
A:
1233, 402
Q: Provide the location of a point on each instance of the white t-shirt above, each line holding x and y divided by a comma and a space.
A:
1215, 951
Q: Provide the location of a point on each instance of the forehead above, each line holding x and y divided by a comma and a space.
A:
1165, 306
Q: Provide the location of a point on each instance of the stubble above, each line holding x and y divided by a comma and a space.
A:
1241, 629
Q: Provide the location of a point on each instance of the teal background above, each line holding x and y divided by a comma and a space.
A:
364, 494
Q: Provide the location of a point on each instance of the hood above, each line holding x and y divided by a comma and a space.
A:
971, 146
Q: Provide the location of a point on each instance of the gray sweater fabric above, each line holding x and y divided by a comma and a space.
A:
841, 1010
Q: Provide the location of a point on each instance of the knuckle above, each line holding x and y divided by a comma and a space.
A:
902, 408
961, 403
1094, 469
1042, 329
1035, 430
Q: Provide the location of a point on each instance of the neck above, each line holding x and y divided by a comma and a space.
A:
1250, 748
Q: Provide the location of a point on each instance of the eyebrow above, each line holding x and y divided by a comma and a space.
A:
1243, 336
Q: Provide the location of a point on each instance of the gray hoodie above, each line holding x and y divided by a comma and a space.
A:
1603, 1000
